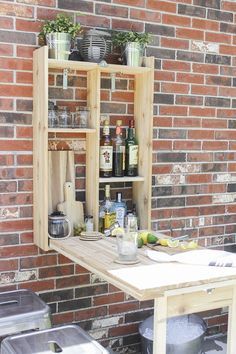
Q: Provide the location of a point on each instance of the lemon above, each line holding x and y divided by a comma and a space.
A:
144, 235
163, 241
172, 243
117, 231
192, 245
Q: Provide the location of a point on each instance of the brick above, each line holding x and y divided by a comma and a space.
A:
172, 134
189, 100
24, 132
160, 30
59, 93
159, 145
170, 202
127, 25
217, 37
189, 33
38, 261
24, 105
116, 108
72, 281
161, 6
225, 135
163, 98
214, 123
122, 96
187, 122
97, 21
6, 23
7, 132
187, 145
16, 64
8, 265
215, 4
108, 299
109, 10
25, 51
15, 118
228, 6
202, 112
24, 78
6, 76
217, 102
227, 113
93, 290
204, 90
62, 318
190, 56
218, 80
9, 145
144, 15
138, 3
56, 271
15, 91
17, 37
201, 134
6, 160
214, 145
7, 187
205, 68
16, 10
205, 24
94, 312
189, 10
164, 76
176, 65
6, 50
174, 87
174, 43
76, 5
177, 111
49, 3
38, 285
190, 78
227, 91
176, 20
227, 49
124, 308
220, 15
161, 53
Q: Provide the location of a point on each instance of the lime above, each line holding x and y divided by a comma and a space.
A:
172, 243
117, 231
151, 238
140, 242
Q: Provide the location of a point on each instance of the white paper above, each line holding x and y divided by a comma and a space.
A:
202, 257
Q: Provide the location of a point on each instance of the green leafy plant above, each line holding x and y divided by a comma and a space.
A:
119, 39
61, 24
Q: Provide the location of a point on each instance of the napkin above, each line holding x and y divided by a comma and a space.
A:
202, 257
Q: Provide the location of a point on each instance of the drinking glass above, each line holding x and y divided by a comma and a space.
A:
127, 246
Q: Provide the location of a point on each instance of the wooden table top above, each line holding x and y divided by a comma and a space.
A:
145, 280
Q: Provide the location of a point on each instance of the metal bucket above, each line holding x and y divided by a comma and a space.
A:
133, 54
185, 335
58, 45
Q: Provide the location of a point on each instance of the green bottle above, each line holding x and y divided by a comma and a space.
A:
131, 152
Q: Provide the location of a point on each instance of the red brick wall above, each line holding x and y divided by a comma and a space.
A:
194, 179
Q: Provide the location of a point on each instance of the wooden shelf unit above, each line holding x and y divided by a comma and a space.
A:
143, 113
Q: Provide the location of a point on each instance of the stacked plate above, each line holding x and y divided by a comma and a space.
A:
90, 236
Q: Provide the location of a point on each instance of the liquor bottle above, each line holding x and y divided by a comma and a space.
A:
106, 150
131, 151
118, 152
107, 215
120, 209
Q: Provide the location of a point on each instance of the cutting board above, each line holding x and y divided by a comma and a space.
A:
70, 207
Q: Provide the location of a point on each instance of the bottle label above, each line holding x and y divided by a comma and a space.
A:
106, 130
120, 216
109, 220
106, 158
133, 155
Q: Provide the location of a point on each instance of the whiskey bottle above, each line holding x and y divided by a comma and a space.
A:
131, 151
118, 152
106, 150
107, 215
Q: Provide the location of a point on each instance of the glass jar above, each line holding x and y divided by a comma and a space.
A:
64, 117
52, 115
81, 117
89, 223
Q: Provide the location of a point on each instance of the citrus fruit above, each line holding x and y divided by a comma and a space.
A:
140, 242
151, 238
143, 235
172, 243
192, 245
117, 231
163, 241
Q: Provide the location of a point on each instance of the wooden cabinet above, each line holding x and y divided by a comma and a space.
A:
143, 113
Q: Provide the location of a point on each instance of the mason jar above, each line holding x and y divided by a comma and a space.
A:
64, 117
81, 117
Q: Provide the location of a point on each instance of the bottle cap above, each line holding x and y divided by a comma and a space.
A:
118, 122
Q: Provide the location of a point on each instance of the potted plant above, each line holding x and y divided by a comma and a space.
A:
58, 34
132, 45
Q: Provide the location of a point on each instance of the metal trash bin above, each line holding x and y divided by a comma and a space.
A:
185, 335
69, 339
22, 310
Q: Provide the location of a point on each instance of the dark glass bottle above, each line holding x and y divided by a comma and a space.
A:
118, 152
131, 152
106, 150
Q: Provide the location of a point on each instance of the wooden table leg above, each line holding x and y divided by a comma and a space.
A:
231, 341
159, 326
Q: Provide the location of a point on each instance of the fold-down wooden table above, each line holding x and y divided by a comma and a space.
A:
177, 289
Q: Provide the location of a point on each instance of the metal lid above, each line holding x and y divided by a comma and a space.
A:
70, 339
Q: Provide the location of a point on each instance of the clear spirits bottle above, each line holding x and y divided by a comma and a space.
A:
107, 215
120, 209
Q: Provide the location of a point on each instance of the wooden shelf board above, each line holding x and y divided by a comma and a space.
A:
86, 66
121, 179
72, 130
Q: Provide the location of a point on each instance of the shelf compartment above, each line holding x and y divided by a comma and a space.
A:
72, 130
121, 179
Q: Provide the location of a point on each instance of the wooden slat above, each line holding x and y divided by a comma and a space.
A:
72, 131
92, 146
121, 179
143, 112
40, 147
70, 64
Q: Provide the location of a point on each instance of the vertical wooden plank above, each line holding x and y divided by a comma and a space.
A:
231, 342
40, 147
92, 146
143, 112
160, 325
